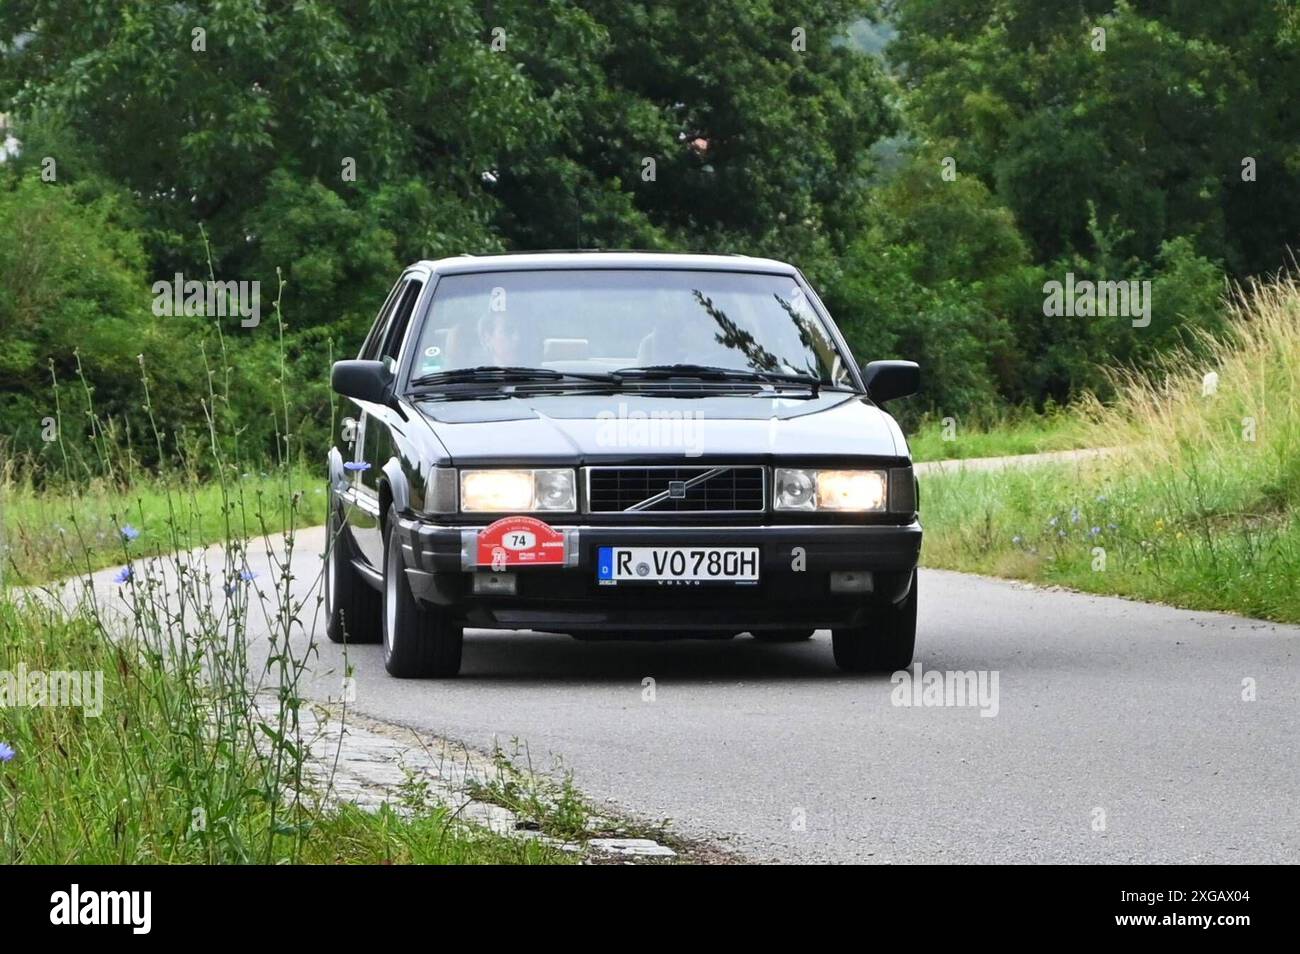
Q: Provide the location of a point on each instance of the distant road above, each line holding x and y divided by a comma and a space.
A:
1017, 460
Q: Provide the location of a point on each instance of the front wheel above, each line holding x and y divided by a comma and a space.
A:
885, 644
419, 641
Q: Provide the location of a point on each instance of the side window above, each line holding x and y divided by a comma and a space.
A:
401, 319
370, 351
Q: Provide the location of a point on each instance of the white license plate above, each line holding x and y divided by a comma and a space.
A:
691, 565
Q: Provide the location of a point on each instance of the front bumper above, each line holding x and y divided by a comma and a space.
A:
794, 589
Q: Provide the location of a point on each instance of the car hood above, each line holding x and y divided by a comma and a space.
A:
587, 427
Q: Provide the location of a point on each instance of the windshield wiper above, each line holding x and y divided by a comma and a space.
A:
705, 372
497, 374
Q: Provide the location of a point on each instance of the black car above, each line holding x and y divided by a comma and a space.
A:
618, 445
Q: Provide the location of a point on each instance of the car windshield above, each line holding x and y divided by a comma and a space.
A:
597, 321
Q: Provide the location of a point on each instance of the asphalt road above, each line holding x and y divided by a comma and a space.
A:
1120, 734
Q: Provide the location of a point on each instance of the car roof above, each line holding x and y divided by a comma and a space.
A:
530, 261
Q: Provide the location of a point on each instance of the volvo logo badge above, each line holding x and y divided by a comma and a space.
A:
677, 489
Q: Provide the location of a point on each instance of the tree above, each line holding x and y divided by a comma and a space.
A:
1152, 129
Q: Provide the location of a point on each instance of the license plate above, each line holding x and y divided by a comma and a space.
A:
684, 565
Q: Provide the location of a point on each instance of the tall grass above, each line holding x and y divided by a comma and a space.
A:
1202, 509
194, 768
166, 774
1229, 446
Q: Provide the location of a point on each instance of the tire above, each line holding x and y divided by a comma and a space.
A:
885, 644
783, 635
352, 606
419, 641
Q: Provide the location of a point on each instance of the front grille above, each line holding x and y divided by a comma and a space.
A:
703, 489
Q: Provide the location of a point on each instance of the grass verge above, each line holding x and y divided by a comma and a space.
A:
1013, 434
157, 758
49, 533
551, 803
1202, 511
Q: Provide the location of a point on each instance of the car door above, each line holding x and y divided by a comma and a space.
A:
375, 437
361, 516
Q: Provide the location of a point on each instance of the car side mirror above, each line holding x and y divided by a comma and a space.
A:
364, 380
886, 380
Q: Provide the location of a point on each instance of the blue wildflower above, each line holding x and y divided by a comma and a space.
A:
6, 752
1062, 533
1017, 539
1095, 532
1052, 522
245, 576
122, 575
1075, 516
130, 533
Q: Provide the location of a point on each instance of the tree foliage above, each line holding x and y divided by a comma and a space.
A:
1146, 124
324, 144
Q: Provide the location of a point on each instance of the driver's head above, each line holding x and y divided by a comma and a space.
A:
501, 337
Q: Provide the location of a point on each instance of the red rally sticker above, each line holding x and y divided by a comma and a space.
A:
519, 541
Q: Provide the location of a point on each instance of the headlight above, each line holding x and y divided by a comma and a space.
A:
516, 491
853, 491
795, 490
553, 490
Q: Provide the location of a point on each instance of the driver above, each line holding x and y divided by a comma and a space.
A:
502, 339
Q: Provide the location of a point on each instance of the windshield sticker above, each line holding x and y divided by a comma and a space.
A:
432, 360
